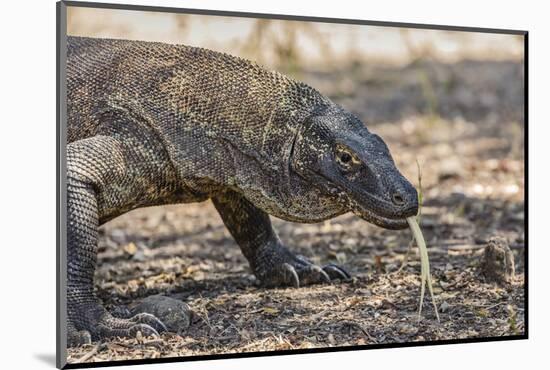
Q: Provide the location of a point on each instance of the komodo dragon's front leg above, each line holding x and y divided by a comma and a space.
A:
106, 176
272, 263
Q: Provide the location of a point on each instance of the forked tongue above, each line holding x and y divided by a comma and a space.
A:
425, 276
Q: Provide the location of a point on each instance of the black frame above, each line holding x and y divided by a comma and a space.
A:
61, 16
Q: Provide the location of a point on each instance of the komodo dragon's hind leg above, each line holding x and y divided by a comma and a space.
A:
272, 263
92, 165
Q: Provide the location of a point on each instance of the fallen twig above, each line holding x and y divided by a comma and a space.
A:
157, 343
360, 327
97, 348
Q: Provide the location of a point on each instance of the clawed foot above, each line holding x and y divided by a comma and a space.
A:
104, 325
280, 267
145, 323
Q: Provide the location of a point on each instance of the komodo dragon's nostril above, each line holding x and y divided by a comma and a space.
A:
397, 199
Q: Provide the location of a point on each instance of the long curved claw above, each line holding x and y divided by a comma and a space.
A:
336, 272
291, 274
278, 266
131, 331
147, 324
145, 330
298, 271
313, 274
150, 320
324, 275
100, 324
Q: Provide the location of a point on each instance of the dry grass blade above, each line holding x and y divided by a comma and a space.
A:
97, 348
424, 263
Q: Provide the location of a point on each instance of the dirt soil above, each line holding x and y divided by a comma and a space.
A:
463, 123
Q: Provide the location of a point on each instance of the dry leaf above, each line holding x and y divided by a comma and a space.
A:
270, 310
130, 248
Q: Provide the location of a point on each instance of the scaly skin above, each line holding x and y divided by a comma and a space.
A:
152, 123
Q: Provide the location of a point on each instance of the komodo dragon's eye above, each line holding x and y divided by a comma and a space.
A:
346, 158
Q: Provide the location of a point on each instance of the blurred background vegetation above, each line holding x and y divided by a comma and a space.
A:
295, 44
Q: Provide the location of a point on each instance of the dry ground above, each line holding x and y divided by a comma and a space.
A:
469, 144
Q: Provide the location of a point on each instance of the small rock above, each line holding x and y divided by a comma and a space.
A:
175, 314
497, 262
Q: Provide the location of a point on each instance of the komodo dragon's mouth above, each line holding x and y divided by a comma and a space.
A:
385, 222
396, 222
382, 213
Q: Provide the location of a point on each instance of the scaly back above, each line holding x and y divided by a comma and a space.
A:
179, 85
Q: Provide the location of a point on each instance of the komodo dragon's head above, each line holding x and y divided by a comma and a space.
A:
336, 153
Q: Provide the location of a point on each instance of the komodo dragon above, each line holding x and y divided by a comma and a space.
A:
153, 123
